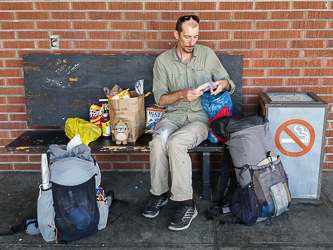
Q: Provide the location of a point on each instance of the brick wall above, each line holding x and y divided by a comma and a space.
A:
287, 47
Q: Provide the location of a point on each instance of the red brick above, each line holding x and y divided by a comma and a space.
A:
26, 166
308, 44
235, 5
329, 44
15, 82
250, 15
128, 165
318, 72
329, 63
105, 166
160, 45
252, 91
90, 25
140, 35
198, 6
266, 82
14, 63
13, 108
287, 15
132, 25
235, 45
318, 53
2, 83
214, 16
284, 34
7, 35
158, 25
246, 63
250, 100
268, 44
111, 157
15, 100
7, 54
283, 54
162, 6
249, 35
173, 15
109, 52
21, 52
305, 63
4, 134
328, 99
127, 45
7, 16
308, 24
250, 109
309, 5
207, 26
18, 117
217, 35
253, 72
9, 73
71, 52
52, 6
272, 5
130, 52
138, 158
250, 54
125, 6
19, 44
32, 34
1, 64
105, 15
32, 15
91, 45
70, 34
141, 15
319, 34
6, 166
319, 14
68, 15
88, 6
328, 165
271, 25
282, 89
17, 25
284, 72
269, 63
211, 45
328, 150
235, 25
327, 81
318, 90
104, 35
13, 158
53, 25
16, 6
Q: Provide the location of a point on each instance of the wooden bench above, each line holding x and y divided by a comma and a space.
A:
64, 86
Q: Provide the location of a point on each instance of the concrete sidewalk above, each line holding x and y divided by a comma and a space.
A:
309, 225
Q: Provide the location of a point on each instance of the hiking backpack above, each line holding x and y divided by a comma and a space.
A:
263, 190
71, 205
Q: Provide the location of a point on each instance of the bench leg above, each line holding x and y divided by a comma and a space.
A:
205, 175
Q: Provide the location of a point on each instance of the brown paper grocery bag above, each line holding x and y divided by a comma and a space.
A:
132, 112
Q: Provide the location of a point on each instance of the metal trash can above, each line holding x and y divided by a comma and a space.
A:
297, 122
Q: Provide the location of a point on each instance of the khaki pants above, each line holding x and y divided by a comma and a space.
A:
175, 158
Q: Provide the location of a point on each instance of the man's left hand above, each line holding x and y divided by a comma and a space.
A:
221, 85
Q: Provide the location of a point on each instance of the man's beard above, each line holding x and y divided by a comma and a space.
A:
184, 49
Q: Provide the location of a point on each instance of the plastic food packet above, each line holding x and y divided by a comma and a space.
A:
139, 87
110, 92
153, 115
96, 113
163, 133
121, 95
206, 86
88, 131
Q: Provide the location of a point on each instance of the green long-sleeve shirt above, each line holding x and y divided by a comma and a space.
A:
172, 74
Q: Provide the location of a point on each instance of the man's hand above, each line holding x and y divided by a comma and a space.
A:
191, 94
221, 85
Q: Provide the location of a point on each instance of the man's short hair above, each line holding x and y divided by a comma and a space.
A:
193, 21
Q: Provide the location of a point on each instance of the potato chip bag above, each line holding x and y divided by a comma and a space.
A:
121, 95
153, 115
96, 113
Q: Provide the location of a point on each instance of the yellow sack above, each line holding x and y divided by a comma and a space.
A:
88, 131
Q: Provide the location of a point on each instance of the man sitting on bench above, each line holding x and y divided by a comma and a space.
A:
177, 74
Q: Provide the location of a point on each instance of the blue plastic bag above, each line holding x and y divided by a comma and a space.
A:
213, 104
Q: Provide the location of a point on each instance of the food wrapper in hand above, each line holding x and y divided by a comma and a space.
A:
206, 86
88, 131
163, 133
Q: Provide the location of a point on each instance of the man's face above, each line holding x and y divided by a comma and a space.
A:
187, 38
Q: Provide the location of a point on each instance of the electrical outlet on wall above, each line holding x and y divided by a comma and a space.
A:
54, 41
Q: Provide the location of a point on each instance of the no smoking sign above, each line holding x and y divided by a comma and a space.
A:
296, 131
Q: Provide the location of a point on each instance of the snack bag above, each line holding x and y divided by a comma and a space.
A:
121, 95
96, 113
153, 115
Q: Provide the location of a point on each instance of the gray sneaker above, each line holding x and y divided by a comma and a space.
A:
152, 209
183, 217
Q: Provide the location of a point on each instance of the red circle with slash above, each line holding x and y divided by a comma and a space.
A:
284, 127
